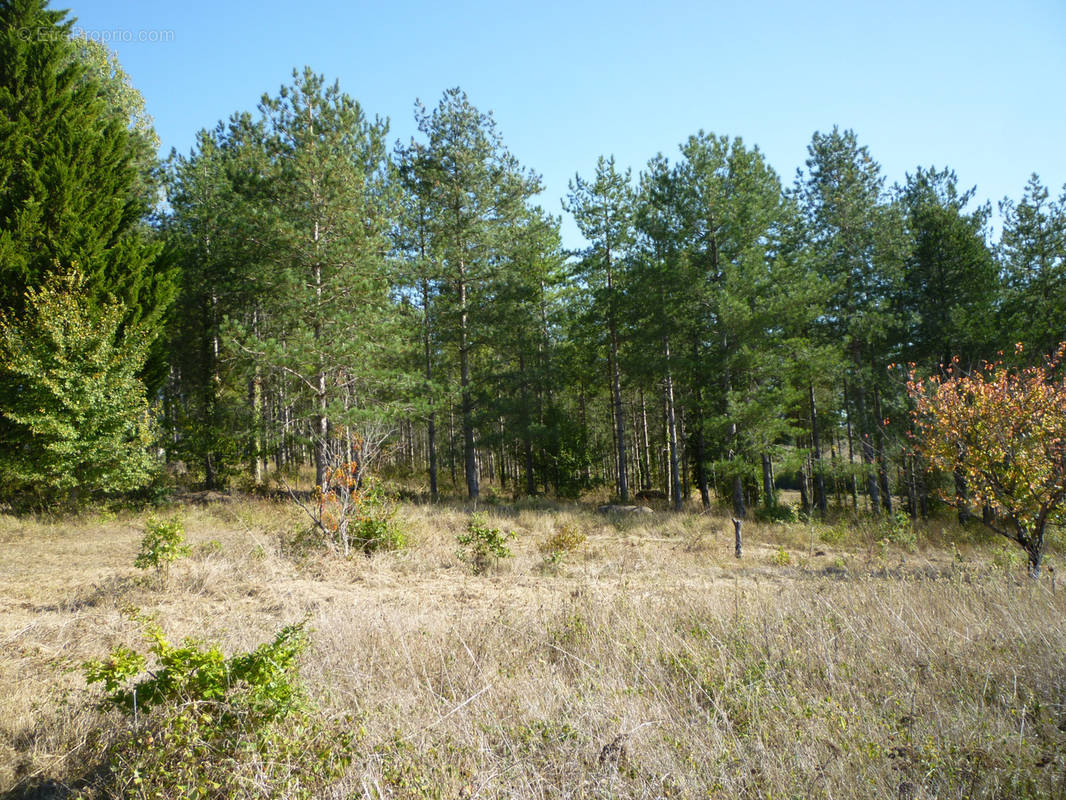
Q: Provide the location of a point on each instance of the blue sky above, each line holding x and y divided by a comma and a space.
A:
977, 86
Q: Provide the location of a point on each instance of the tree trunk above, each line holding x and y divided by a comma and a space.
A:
882, 455
645, 445
619, 419
701, 470
675, 483
867, 453
851, 451
767, 482
469, 454
819, 481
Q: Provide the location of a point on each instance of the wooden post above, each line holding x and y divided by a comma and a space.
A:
736, 527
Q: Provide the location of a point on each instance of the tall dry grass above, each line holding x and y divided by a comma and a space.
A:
643, 662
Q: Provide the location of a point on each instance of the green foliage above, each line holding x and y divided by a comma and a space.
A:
208, 726
163, 543
899, 529
349, 515
73, 414
566, 539
781, 557
375, 526
481, 544
71, 168
778, 512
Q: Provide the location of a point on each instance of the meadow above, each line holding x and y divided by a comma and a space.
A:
610, 656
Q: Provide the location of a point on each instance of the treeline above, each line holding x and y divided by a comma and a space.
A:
311, 293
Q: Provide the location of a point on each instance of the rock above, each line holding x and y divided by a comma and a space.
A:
610, 508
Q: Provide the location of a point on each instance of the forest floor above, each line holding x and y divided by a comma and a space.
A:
840, 660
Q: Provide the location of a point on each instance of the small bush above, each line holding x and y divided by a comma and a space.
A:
354, 513
374, 526
778, 512
781, 557
207, 726
163, 543
565, 540
481, 545
899, 530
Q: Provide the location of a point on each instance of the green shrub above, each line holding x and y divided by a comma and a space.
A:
163, 543
778, 512
207, 726
374, 526
565, 540
899, 529
480, 544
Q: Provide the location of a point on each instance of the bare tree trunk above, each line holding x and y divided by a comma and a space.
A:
767, 481
869, 471
619, 419
645, 446
851, 450
882, 455
675, 483
469, 454
255, 398
819, 481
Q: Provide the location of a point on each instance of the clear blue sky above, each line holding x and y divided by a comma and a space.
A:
975, 85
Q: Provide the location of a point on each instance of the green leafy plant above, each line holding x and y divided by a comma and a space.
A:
72, 406
163, 544
351, 511
208, 726
481, 545
781, 557
899, 529
564, 540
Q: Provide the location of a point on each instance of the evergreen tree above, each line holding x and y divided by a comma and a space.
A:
324, 212
69, 167
950, 282
856, 242
475, 192
1032, 254
603, 210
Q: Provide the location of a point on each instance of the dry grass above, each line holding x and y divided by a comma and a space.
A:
645, 662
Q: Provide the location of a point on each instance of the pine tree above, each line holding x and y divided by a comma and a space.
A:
950, 283
324, 211
603, 210
1032, 254
475, 192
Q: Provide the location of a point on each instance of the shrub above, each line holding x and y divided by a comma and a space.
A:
566, 539
163, 543
354, 513
207, 726
480, 544
778, 512
73, 412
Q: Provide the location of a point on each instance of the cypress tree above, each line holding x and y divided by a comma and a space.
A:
69, 167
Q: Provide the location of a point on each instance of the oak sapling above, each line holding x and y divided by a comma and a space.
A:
163, 543
481, 544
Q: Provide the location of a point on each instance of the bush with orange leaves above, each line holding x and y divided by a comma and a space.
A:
353, 512
1004, 431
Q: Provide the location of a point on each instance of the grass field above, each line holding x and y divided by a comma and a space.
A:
843, 660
